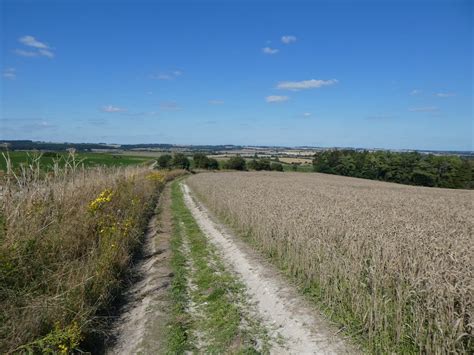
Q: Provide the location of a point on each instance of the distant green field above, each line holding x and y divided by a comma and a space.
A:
89, 159
304, 168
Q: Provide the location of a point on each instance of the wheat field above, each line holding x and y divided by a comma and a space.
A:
391, 264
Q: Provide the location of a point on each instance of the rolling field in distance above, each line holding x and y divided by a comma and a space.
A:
89, 159
392, 263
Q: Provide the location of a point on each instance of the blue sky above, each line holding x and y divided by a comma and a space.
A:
388, 74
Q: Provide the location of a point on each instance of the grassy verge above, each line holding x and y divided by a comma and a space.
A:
210, 309
66, 244
178, 329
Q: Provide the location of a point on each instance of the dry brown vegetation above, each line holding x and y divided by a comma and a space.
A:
392, 264
296, 160
66, 241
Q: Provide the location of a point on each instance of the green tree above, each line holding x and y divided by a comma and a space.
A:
164, 161
180, 161
200, 161
236, 163
406, 168
213, 164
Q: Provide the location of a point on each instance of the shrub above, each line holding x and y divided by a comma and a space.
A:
164, 161
276, 167
236, 163
213, 164
180, 161
200, 161
264, 164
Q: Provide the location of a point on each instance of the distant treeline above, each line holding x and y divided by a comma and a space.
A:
30, 145
405, 168
13, 145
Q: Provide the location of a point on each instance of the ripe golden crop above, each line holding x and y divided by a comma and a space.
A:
393, 263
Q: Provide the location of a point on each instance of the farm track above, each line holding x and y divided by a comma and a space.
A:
267, 314
141, 326
286, 315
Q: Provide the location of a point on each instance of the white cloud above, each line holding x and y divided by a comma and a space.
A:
415, 92
216, 102
167, 75
288, 39
445, 94
33, 42
40, 48
111, 108
276, 98
24, 53
305, 84
46, 53
423, 109
268, 50
43, 125
9, 73
307, 114
164, 77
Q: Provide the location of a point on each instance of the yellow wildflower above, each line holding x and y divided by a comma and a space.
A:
103, 198
156, 176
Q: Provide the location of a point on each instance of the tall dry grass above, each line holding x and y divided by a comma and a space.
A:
393, 264
66, 241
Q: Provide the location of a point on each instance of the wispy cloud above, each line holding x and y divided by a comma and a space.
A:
380, 117
9, 73
40, 49
23, 53
38, 125
46, 53
307, 114
445, 94
305, 84
141, 113
167, 75
164, 77
424, 109
170, 106
276, 98
97, 122
112, 109
415, 92
288, 39
269, 50
216, 102
30, 41
28, 126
